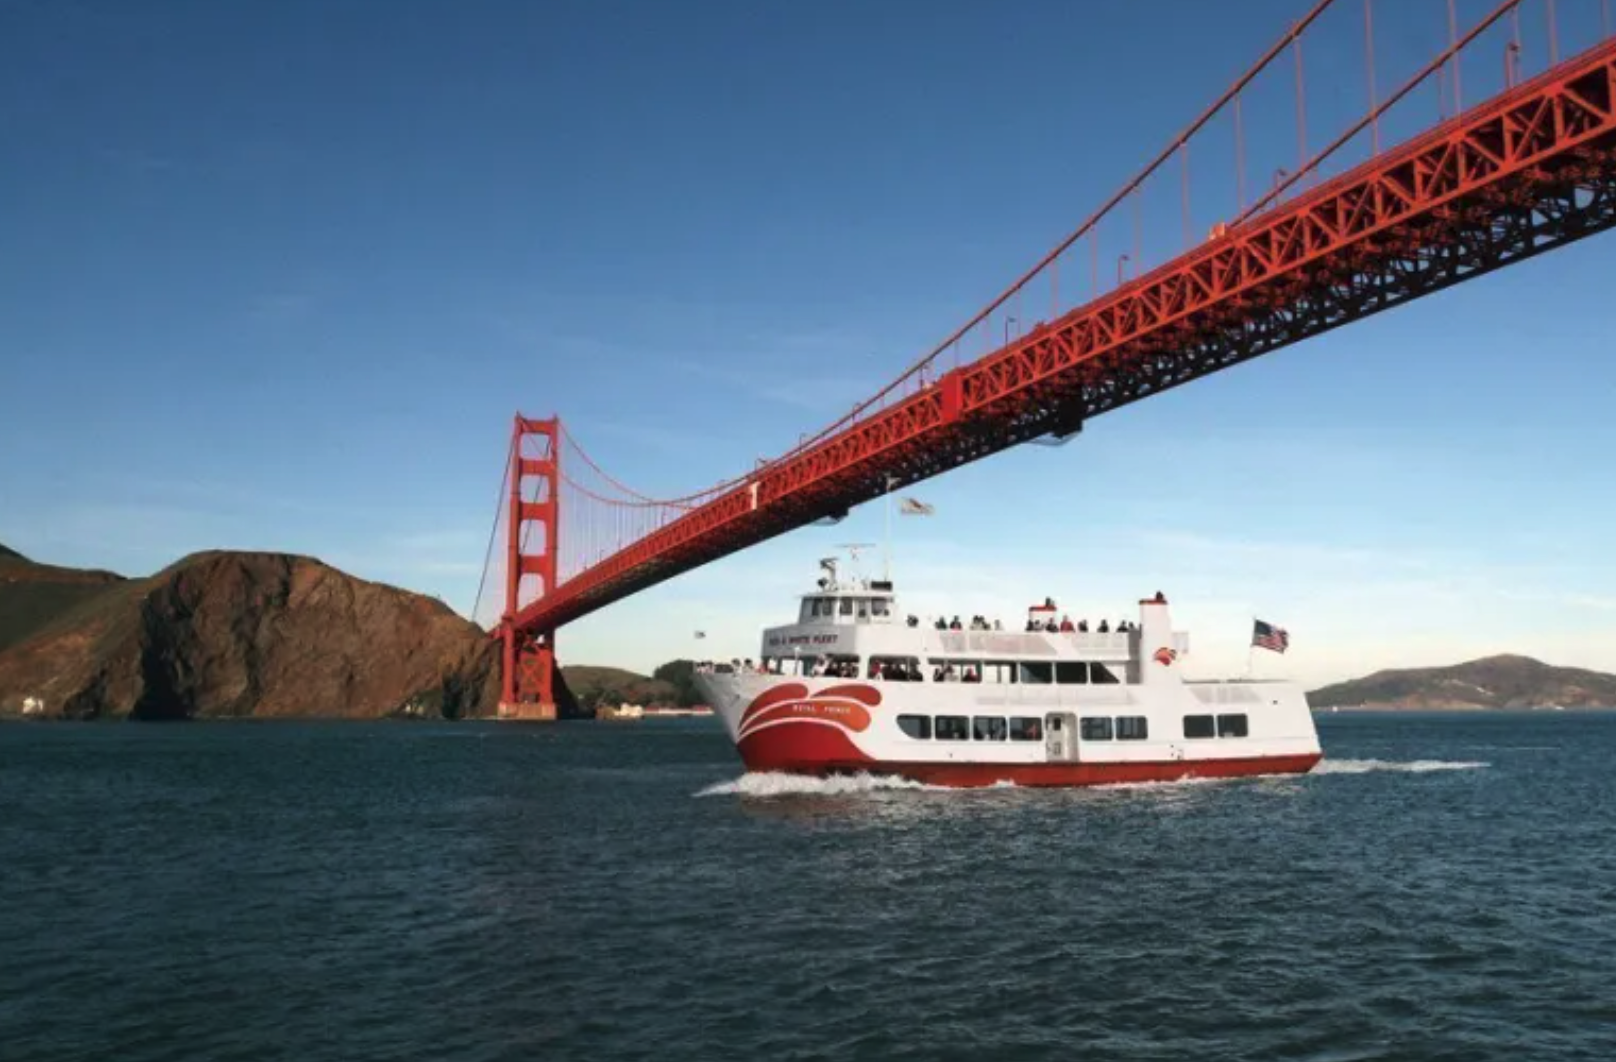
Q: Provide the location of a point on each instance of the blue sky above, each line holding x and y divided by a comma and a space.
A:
276, 275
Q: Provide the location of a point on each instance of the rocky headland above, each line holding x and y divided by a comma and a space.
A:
230, 634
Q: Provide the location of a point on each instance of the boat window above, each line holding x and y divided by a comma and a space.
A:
1232, 725
952, 728
847, 606
1023, 728
807, 610
988, 728
880, 606
1101, 675
1132, 728
1037, 672
1000, 673
915, 726
1094, 728
1198, 726
1069, 673
864, 608
896, 668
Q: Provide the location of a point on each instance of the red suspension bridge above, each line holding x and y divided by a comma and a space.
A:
1340, 233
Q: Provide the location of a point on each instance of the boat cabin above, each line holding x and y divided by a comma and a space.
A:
853, 628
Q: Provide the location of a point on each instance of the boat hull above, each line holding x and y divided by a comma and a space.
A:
822, 751
822, 727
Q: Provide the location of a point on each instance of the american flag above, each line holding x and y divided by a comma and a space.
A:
1269, 636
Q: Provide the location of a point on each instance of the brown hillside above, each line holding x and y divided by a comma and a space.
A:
260, 634
32, 595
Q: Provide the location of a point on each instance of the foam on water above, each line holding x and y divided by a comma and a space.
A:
773, 784
1412, 766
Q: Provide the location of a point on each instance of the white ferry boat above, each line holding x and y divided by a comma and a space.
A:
854, 686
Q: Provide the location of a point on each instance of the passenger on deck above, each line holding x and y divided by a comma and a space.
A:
937, 673
1082, 626
941, 624
949, 674
1105, 626
1066, 625
998, 626
971, 675
955, 625
914, 621
875, 669
1051, 627
1160, 598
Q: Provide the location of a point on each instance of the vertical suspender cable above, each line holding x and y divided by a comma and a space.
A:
1184, 154
1369, 63
1138, 236
1453, 42
1239, 155
1301, 110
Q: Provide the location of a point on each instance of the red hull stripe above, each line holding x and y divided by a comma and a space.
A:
824, 750
968, 775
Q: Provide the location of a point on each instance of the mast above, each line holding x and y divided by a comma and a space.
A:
886, 551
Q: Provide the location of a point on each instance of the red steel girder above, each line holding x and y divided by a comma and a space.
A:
1531, 170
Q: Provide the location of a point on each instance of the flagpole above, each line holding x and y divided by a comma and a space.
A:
1251, 648
886, 563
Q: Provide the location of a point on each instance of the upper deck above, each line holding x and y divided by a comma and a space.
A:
859, 622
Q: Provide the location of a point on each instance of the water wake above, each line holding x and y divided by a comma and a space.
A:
1411, 767
771, 784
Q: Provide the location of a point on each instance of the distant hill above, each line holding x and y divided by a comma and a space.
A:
1492, 682
603, 687
234, 634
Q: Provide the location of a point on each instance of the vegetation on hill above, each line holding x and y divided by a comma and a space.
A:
1491, 682
672, 685
608, 687
681, 675
32, 596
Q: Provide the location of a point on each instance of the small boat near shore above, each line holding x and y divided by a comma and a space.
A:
852, 687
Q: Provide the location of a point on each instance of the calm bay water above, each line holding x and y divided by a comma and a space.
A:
1444, 888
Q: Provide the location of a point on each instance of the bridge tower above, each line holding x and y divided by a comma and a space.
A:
527, 688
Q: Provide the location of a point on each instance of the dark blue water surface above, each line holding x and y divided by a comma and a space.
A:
1443, 888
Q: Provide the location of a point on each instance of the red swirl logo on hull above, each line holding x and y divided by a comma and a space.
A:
1165, 656
847, 706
